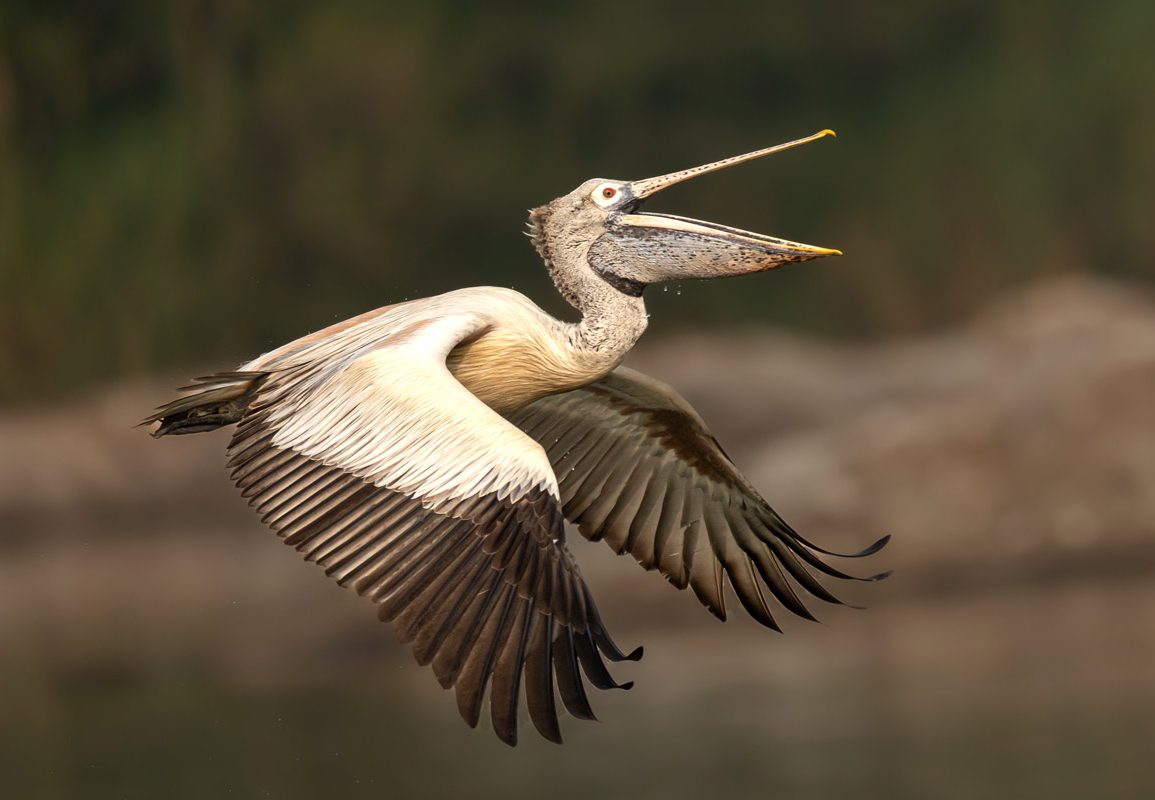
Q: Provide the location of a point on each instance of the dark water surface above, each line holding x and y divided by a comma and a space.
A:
1045, 693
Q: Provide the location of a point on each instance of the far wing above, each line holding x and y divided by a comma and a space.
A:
378, 465
637, 467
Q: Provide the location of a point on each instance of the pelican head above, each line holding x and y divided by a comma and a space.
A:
598, 227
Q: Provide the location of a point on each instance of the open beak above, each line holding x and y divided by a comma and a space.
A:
693, 248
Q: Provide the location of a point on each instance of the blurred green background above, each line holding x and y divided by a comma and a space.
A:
191, 182
186, 184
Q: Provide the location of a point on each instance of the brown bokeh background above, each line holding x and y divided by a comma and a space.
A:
183, 185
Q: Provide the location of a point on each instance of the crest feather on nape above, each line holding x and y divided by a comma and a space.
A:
536, 233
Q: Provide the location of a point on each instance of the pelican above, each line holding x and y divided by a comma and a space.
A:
428, 454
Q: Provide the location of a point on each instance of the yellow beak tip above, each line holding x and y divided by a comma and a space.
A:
827, 132
814, 252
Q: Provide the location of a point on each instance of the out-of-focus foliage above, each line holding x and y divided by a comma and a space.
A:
185, 182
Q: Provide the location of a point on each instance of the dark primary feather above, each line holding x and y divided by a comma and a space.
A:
485, 591
637, 467
216, 401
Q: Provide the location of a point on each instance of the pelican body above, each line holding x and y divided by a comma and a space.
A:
427, 455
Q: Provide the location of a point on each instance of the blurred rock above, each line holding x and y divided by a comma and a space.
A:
1029, 434
1024, 438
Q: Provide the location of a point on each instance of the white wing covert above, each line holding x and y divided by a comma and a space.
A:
378, 465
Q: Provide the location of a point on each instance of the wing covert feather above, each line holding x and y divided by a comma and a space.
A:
378, 465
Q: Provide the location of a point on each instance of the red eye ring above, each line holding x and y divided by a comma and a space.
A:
609, 192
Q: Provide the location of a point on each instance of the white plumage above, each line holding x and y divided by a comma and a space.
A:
426, 454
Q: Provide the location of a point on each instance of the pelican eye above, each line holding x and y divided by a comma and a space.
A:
607, 194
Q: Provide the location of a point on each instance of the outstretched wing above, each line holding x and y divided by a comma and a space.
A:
374, 462
638, 468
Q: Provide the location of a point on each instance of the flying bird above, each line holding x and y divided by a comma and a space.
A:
428, 454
